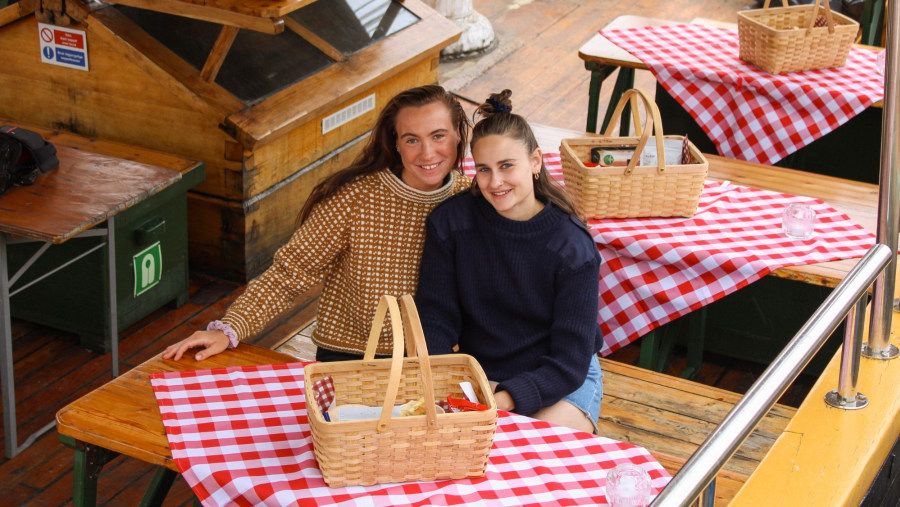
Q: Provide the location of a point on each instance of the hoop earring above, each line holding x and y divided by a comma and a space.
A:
537, 176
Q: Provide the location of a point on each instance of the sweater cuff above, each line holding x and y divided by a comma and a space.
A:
524, 394
218, 325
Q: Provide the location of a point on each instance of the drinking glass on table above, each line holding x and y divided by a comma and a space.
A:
798, 221
628, 485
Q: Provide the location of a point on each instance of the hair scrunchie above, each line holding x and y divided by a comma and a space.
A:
498, 106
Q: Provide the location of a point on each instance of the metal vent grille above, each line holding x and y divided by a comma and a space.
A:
347, 114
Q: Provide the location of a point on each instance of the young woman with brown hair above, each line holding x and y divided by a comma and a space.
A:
360, 233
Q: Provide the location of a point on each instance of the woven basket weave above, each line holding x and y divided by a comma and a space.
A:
786, 39
633, 191
400, 449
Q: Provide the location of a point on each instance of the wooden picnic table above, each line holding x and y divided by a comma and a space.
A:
857, 200
122, 417
601, 57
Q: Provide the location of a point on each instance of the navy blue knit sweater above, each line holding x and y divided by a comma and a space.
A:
519, 296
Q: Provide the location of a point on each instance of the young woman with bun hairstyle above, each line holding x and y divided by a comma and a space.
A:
509, 274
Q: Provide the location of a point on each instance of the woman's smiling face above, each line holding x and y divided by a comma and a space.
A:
504, 172
426, 141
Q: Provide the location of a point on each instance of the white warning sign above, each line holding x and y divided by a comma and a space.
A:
63, 46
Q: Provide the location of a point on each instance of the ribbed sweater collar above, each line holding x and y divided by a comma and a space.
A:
406, 192
544, 220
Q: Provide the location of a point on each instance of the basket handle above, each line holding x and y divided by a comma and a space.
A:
815, 14
412, 326
617, 113
829, 20
386, 303
412, 329
653, 123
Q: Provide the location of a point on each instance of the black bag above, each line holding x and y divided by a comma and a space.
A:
22, 154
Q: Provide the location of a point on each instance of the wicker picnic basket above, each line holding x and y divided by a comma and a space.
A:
400, 449
633, 191
795, 38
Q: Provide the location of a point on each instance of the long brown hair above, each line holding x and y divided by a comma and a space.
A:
497, 118
380, 149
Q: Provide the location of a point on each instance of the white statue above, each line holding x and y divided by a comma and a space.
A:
477, 32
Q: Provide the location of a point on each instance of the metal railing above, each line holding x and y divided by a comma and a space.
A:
704, 464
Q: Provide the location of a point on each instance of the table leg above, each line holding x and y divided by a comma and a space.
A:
872, 22
657, 345
113, 295
649, 350
159, 487
598, 74
10, 439
624, 82
89, 460
697, 334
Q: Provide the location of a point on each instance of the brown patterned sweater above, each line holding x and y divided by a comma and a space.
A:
364, 241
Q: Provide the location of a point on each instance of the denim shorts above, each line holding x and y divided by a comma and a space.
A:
588, 397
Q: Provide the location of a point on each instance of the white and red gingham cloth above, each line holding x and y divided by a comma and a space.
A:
748, 113
655, 270
240, 436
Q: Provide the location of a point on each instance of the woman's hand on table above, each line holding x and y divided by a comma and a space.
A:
503, 400
213, 342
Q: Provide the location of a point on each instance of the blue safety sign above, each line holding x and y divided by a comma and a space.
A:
63, 46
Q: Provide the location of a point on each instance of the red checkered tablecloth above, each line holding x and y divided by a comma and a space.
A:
655, 270
240, 436
748, 113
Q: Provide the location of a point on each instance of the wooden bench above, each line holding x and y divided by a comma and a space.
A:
671, 417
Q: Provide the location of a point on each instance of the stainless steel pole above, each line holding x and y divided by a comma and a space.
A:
846, 395
879, 345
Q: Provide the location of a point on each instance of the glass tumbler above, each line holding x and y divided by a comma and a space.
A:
628, 485
798, 221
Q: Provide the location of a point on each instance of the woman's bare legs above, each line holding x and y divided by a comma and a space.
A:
566, 414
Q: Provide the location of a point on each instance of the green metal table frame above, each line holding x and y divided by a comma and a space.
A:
624, 82
872, 22
657, 345
89, 461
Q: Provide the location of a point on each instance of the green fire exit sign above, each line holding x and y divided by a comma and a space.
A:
147, 268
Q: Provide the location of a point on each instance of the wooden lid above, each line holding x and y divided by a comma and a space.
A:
260, 15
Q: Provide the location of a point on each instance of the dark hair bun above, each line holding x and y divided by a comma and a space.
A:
495, 104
